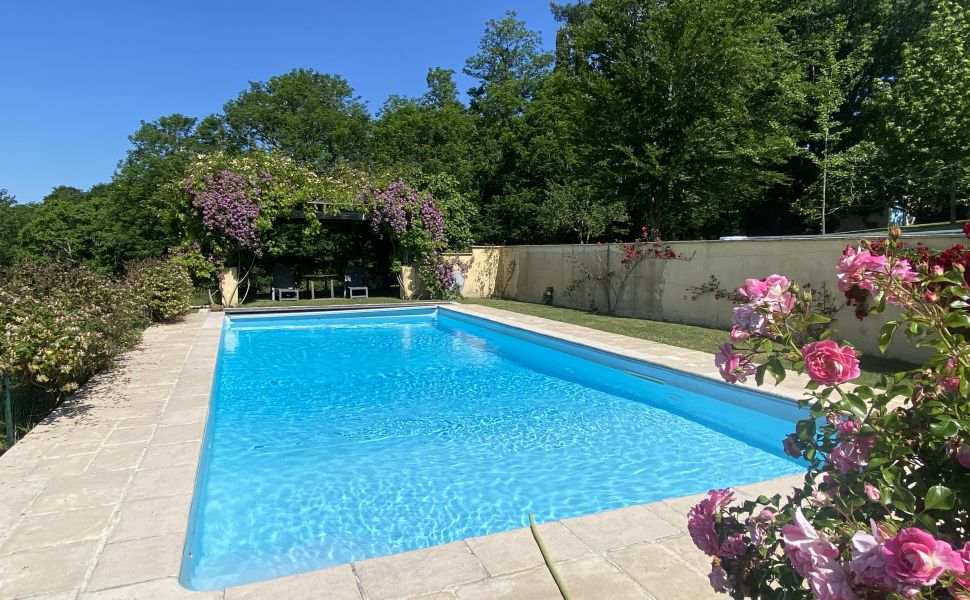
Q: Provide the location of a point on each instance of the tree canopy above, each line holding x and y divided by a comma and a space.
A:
698, 118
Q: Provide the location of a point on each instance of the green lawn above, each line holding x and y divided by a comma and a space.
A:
703, 339
321, 302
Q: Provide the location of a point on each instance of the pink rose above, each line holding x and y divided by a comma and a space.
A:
719, 580
965, 557
868, 565
963, 456
772, 291
754, 289
830, 582
856, 268
852, 454
805, 548
738, 334
732, 366
718, 499
829, 364
700, 520
700, 526
873, 493
816, 559
916, 557
848, 428
777, 294
733, 547
757, 526
904, 271
748, 318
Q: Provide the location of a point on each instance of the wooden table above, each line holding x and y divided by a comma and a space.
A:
314, 278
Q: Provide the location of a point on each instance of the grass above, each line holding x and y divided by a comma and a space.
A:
703, 339
322, 302
921, 228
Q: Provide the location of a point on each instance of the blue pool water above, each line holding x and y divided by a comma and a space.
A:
342, 436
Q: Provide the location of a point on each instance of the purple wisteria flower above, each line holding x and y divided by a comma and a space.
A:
401, 208
229, 206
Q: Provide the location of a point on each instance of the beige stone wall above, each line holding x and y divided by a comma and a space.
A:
658, 289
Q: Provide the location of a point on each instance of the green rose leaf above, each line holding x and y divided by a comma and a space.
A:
939, 497
886, 334
958, 319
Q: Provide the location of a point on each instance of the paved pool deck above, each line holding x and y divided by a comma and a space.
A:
95, 500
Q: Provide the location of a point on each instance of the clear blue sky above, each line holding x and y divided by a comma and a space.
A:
77, 77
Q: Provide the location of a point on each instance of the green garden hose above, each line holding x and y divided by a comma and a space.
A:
545, 556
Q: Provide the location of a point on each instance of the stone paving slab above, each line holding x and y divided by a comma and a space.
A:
96, 498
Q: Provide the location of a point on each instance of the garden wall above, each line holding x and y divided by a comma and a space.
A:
658, 289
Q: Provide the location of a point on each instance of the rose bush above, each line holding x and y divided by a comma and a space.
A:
884, 510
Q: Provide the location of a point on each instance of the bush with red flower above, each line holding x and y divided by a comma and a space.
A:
611, 283
884, 511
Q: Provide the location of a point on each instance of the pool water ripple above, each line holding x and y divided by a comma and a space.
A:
332, 442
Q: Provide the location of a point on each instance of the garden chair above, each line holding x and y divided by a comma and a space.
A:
354, 282
283, 287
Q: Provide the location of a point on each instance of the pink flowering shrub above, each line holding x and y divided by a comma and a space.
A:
884, 509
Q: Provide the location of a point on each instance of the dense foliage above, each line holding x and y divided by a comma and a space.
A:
699, 118
163, 286
60, 323
883, 509
415, 224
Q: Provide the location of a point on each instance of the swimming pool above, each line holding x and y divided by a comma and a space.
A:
338, 436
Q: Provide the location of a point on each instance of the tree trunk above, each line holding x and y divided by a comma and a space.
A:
953, 199
825, 176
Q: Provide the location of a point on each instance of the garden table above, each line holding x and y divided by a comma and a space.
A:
314, 278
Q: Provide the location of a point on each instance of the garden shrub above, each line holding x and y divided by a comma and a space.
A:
884, 511
162, 285
60, 323
438, 275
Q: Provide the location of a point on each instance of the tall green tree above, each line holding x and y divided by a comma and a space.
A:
13, 218
67, 224
140, 200
846, 51
510, 67
313, 117
433, 133
926, 130
686, 106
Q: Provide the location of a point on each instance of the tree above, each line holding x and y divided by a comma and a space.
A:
13, 218
67, 225
572, 206
140, 195
433, 133
686, 106
313, 117
511, 67
926, 128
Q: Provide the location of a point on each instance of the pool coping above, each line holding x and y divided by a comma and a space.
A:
101, 491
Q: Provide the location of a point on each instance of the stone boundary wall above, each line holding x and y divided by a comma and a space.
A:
658, 289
